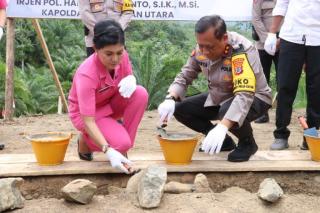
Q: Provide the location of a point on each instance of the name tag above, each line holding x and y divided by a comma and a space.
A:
104, 89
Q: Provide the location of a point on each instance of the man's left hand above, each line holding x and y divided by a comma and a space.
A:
214, 140
127, 86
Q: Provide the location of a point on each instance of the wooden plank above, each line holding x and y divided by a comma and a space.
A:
289, 155
71, 168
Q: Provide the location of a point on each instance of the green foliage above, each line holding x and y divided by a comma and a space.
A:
158, 50
155, 71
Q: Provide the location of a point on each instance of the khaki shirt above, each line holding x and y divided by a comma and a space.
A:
221, 76
262, 19
92, 11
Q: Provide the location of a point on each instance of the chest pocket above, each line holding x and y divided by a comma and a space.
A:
226, 83
96, 6
104, 93
268, 5
117, 6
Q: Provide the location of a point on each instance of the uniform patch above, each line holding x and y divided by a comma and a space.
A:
244, 79
238, 65
226, 62
226, 65
117, 6
201, 57
127, 5
227, 78
96, 7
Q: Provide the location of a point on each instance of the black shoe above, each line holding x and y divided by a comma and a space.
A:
263, 119
304, 145
228, 145
84, 156
246, 147
1, 146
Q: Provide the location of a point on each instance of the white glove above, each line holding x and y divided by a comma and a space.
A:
1, 32
166, 110
270, 45
127, 86
214, 140
117, 160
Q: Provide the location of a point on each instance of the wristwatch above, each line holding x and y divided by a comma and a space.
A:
170, 97
105, 148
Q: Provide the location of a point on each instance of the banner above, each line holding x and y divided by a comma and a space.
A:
230, 10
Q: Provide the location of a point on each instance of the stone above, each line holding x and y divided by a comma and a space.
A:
317, 179
133, 182
79, 190
177, 188
10, 195
132, 188
151, 186
201, 184
269, 190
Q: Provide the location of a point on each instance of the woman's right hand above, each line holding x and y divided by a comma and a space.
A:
117, 160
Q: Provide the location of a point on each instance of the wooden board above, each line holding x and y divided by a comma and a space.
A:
290, 160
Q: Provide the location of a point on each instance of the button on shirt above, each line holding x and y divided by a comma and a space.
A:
302, 21
93, 87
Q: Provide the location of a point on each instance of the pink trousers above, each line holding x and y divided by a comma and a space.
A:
121, 136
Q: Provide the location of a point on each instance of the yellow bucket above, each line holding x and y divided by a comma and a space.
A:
178, 148
314, 146
50, 148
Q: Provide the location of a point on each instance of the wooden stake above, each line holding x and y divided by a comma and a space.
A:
9, 88
59, 105
44, 46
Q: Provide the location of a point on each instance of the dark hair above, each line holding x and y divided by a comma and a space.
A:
107, 32
214, 21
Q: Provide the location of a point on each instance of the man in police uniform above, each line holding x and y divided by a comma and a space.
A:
261, 21
92, 11
238, 92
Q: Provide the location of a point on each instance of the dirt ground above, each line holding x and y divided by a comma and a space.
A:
13, 133
233, 192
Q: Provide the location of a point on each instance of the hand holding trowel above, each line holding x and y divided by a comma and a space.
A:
166, 110
306, 130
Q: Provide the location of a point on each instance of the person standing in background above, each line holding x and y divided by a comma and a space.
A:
3, 6
299, 44
92, 11
261, 21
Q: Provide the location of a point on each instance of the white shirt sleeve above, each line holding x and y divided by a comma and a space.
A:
281, 8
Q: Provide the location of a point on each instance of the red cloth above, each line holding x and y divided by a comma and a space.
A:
3, 4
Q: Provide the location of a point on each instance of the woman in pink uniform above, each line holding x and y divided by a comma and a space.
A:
104, 90
3, 6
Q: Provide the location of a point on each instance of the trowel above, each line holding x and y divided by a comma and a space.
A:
161, 130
